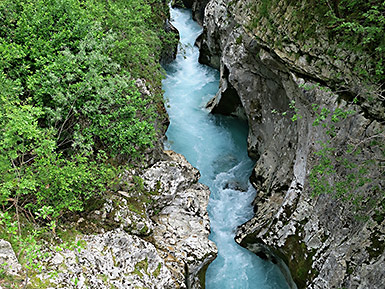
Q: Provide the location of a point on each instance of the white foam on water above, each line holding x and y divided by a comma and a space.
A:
216, 145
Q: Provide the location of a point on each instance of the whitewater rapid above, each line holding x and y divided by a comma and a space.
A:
216, 145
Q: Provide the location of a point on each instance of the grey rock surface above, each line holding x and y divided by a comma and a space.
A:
182, 223
111, 260
327, 240
154, 235
8, 260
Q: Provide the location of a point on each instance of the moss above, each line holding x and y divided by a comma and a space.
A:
379, 214
349, 268
136, 206
300, 261
115, 262
94, 204
312, 20
10, 281
239, 40
293, 253
68, 234
141, 266
37, 283
264, 8
104, 278
308, 58
377, 247
144, 230
157, 270
137, 272
139, 197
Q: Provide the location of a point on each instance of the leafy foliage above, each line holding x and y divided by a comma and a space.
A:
33, 172
346, 170
361, 26
88, 97
356, 26
68, 93
69, 104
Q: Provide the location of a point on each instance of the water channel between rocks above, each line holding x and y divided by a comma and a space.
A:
216, 145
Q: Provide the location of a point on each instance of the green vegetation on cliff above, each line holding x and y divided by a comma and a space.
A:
341, 44
71, 104
361, 27
356, 26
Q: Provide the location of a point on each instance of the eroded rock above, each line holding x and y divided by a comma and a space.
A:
153, 235
326, 240
111, 260
182, 223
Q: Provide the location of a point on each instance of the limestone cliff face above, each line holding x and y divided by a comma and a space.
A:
319, 167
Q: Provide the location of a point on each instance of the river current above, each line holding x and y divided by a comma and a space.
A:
216, 145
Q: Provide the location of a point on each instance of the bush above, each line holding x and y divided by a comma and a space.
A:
361, 26
69, 106
67, 72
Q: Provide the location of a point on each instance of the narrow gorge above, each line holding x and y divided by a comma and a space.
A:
316, 130
251, 154
217, 147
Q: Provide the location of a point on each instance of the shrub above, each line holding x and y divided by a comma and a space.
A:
67, 72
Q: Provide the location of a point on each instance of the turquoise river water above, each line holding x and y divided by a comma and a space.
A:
216, 145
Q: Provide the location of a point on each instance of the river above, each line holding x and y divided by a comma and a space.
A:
216, 145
